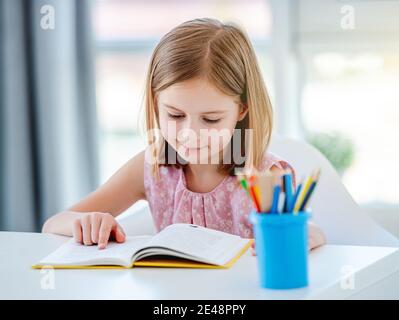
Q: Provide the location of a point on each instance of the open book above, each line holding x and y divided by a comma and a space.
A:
178, 245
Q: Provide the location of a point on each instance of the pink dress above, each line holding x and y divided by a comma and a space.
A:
225, 208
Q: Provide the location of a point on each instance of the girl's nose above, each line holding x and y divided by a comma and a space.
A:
191, 124
189, 138
189, 132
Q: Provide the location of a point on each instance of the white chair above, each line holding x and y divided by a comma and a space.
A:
137, 220
333, 209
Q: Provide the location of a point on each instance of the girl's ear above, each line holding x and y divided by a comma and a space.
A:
243, 111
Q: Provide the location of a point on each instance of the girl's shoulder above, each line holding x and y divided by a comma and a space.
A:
166, 174
271, 160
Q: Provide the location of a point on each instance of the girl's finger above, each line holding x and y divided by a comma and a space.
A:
105, 230
86, 230
95, 227
119, 233
77, 231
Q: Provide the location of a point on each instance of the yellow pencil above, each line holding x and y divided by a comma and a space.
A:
302, 194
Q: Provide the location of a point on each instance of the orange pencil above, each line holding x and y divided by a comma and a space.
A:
253, 196
253, 193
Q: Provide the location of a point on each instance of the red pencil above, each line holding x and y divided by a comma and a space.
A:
253, 196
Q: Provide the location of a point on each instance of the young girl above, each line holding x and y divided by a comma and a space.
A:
203, 81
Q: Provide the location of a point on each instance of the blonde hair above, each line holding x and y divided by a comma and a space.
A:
223, 55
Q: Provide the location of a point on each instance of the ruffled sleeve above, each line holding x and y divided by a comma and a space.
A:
270, 160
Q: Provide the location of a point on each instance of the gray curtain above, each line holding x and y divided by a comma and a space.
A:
48, 127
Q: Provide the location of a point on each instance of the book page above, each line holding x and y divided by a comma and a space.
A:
209, 245
72, 253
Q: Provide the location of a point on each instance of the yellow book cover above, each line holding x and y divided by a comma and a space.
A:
177, 246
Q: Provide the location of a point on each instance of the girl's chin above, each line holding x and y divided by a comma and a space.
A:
196, 158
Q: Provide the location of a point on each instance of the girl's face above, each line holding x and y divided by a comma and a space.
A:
198, 120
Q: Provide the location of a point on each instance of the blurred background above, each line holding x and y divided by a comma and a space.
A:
72, 76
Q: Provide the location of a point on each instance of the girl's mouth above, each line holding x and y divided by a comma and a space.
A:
190, 150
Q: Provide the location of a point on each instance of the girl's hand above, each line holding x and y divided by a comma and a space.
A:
97, 228
253, 252
316, 238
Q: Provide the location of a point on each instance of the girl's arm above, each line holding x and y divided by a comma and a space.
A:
92, 220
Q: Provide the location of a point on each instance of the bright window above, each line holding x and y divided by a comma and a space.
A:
357, 95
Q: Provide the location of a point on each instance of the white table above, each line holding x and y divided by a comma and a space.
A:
376, 275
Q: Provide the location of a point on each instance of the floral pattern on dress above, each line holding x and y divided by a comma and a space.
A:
225, 208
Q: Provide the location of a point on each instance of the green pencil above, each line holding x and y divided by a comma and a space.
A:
243, 183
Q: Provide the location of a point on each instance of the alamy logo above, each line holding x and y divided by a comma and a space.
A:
348, 17
47, 21
47, 281
348, 278
208, 146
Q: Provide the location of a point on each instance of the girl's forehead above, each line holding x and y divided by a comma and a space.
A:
196, 95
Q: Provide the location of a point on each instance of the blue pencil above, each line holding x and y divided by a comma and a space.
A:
276, 195
308, 195
287, 181
295, 197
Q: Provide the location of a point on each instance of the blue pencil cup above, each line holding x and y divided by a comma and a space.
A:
281, 244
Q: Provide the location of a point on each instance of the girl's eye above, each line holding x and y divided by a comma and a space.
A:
211, 120
175, 116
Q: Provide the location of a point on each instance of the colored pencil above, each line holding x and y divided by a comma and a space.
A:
254, 192
310, 192
273, 191
287, 182
243, 183
302, 194
276, 194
